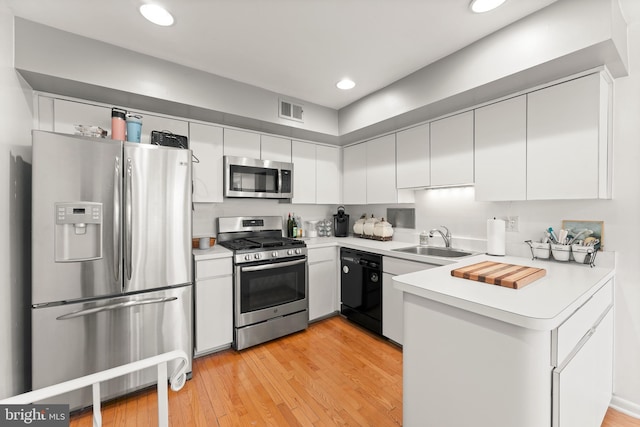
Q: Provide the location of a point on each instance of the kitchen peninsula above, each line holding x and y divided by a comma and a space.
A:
486, 355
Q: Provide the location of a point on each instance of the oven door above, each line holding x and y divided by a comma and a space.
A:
267, 290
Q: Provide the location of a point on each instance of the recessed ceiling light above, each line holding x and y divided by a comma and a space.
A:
480, 6
156, 14
345, 84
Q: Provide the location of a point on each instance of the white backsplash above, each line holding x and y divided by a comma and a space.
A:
205, 214
467, 219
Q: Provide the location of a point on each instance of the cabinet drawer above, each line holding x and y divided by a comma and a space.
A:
397, 266
322, 254
567, 335
213, 268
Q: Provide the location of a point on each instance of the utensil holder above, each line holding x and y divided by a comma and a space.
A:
561, 252
564, 253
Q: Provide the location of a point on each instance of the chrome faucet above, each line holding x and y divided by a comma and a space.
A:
446, 237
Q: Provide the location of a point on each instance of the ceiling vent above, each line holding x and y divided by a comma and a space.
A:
289, 110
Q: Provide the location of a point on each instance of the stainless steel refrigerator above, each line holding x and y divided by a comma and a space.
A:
111, 259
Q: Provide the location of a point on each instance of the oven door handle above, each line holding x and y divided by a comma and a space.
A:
272, 266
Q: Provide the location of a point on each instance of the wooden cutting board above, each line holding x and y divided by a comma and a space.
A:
501, 274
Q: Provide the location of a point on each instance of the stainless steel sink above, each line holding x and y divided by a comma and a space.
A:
434, 251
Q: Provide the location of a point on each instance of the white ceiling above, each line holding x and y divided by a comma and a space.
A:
297, 48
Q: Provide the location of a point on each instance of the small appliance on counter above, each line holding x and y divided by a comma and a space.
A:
341, 223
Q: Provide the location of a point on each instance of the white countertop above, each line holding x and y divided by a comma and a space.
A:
378, 247
382, 248
543, 304
215, 252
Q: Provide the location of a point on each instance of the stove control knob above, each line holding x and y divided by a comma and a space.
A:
290, 252
257, 256
298, 251
247, 257
274, 254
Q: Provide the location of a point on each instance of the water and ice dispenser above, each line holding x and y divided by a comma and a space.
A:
78, 231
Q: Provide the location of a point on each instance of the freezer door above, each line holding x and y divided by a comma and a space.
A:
76, 250
73, 340
157, 216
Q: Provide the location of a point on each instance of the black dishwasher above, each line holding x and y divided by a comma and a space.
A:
361, 288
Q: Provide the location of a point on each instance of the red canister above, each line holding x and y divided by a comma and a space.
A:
118, 124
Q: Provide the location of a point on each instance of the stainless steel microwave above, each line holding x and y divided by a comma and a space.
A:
255, 178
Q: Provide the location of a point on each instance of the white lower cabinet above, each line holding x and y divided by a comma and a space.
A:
323, 282
392, 308
213, 305
503, 374
583, 377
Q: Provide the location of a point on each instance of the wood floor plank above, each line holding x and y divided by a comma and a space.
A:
332, 374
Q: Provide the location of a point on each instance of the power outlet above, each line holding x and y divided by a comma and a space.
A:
512, 223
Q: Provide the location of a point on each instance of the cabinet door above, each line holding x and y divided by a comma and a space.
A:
563, 135
67, 114
322, 289
207, 146
304, 172
240, 143
501, 150
392, 310
214, 314
328, 174
354, 175
582, 388
274, 148
413, 167
381, 170
159, 123
452, 150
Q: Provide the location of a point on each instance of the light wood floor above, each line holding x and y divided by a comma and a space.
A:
332, 374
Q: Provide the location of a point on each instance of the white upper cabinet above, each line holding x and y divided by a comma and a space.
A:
207, 145
354, 175
412, 157
67, 114
567, 140
501, 150
303, 155
452, 150
240, 143
328, 175
381, 170
275, 148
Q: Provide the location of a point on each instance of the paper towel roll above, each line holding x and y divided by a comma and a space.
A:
496, 236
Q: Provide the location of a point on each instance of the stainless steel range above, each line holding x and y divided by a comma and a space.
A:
270, 279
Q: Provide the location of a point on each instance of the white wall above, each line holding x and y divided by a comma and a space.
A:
15, 199
204, 214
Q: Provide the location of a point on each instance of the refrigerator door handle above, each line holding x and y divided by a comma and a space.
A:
128, 206
116, 306
117, 181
